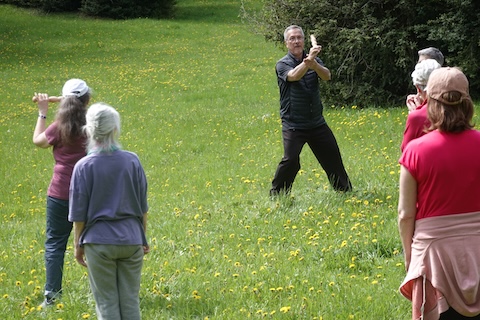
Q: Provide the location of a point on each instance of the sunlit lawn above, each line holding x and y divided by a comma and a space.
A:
199, 105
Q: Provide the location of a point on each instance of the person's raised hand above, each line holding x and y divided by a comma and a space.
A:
42, 102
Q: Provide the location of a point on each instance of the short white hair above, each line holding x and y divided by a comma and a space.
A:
422, 71
102, 128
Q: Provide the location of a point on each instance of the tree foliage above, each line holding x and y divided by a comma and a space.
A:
370, 46
118, 9
127, 9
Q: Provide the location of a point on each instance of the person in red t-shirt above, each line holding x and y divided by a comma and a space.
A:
417, 121
439, 205
415, 100
65, 136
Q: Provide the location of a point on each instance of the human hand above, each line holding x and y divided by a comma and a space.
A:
42, 102
80, 256
407, 259
314, 52
146, 249
413, 101
310, 59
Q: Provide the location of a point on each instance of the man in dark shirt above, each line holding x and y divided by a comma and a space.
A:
301, 111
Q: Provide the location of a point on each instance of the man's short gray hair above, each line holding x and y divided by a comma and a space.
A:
432, 53
291, 27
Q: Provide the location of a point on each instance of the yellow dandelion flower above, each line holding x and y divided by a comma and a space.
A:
285, 309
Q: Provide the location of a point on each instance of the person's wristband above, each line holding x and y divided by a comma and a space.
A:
42, 116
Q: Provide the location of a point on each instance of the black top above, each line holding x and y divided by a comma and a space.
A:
300, 103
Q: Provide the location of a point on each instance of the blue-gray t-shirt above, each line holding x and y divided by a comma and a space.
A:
108, 192
300, 103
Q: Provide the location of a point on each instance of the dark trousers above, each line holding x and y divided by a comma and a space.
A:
451, 314
324, 146
57, 232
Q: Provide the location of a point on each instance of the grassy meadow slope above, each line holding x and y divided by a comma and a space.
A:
199, 105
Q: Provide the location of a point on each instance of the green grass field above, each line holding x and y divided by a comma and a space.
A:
199, 105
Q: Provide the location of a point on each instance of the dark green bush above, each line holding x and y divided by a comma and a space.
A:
60, 5
47, 5
113, 9
128, 9
371, 46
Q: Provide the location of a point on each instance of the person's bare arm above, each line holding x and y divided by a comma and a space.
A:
78, 228
407, 210
39, 137
146, 248
309, 63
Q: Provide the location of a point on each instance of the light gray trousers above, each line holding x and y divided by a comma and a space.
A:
114, 272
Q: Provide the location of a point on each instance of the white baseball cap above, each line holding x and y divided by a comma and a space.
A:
75, 87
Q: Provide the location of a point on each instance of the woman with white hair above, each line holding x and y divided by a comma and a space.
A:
417, 122
108, 208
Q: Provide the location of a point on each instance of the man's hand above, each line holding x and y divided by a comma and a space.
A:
314, 52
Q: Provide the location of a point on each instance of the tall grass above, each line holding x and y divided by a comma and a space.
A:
199, 105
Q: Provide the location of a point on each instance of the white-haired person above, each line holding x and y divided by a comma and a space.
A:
108, 208
439, 205
67, 140
417, 122
413, 101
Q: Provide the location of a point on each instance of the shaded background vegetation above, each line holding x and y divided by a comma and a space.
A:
371, 46
118, 9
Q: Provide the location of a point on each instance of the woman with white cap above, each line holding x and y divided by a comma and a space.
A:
439, 205
65, 136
